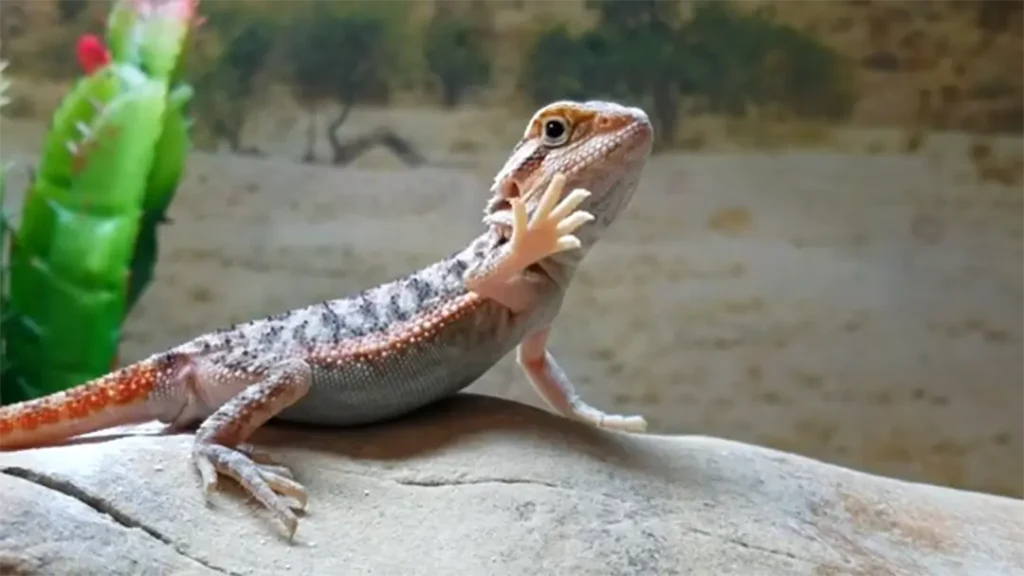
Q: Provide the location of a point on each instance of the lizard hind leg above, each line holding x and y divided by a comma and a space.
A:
220, 446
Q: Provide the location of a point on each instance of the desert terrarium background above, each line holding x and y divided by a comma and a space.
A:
824, 255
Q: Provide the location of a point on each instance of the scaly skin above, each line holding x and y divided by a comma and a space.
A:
396, 347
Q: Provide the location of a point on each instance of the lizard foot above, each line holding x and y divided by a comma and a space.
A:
579, 410
550, 229
271, 484
622, 423
550, 381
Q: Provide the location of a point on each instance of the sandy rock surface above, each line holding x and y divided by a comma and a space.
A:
479, 485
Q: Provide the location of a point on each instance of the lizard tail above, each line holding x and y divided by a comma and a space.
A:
136, 393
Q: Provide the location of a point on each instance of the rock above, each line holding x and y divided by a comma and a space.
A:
478, 485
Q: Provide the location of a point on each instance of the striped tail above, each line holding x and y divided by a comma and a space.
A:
134, 394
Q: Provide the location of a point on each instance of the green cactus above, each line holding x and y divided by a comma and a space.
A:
86, 245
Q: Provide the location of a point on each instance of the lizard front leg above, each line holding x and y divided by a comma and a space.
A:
554, 387
547, 232
219, 443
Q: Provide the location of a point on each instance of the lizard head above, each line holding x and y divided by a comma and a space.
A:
599, 146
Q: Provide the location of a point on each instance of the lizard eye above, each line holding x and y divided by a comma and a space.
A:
556, 132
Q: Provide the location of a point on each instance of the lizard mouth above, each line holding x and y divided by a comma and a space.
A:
499, 210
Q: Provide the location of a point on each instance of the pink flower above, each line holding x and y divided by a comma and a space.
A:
92, 53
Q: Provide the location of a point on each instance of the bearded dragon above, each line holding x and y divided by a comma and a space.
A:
393, 348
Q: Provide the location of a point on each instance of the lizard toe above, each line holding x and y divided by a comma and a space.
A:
277, 470
624, 423
282, 483
207, 472
256, 454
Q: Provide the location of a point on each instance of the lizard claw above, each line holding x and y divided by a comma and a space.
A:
271, 484
550, 229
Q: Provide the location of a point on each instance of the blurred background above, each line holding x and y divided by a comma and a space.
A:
824, 255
